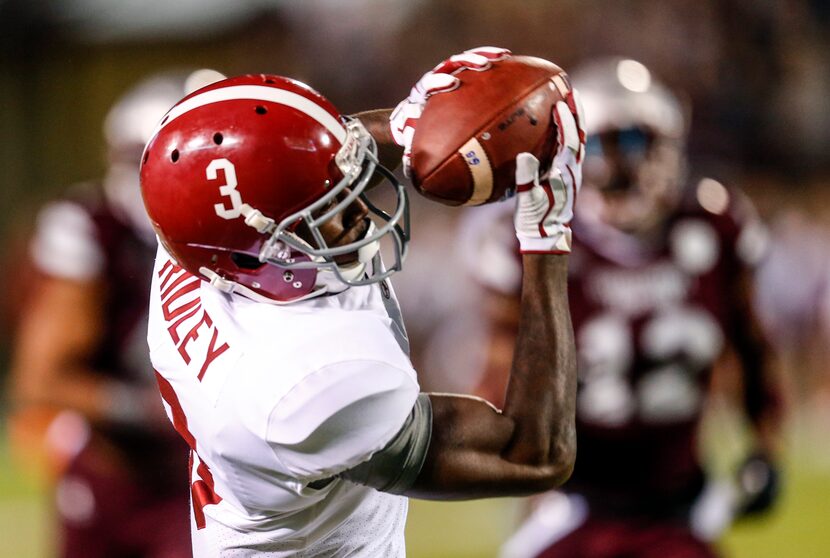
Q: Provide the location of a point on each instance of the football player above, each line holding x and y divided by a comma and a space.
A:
659, 287
278, 342
82, 352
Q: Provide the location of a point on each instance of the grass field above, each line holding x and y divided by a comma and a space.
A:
799, 529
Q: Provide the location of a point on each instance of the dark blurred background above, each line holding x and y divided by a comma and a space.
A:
755, 74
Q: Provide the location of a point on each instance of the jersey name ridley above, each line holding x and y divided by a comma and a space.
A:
185, 317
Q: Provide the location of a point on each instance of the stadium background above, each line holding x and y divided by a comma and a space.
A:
757, 74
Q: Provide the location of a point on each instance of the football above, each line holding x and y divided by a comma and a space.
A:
467, 139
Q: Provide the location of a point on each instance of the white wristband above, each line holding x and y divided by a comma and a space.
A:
559, 243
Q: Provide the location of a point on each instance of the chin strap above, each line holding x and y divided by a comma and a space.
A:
218, 282
335, 281
366, 253
255, 219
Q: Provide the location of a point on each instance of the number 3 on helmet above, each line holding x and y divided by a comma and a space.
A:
233, 169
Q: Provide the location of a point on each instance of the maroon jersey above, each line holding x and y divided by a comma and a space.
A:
650, 319
84, 238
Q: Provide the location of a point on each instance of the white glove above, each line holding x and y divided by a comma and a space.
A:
438, 80
545, 206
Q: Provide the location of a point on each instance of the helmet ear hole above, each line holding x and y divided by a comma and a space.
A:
245, 261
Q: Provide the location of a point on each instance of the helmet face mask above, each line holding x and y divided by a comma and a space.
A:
258, 184
637, 176
358, 160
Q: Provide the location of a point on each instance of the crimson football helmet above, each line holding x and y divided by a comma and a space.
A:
635, 163
235, 170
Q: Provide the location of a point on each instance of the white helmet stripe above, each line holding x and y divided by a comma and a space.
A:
258, 93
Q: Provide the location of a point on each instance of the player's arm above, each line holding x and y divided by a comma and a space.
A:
763, 398
377, 124
478, 451
461, 447
62, 327
473, 449
762, 387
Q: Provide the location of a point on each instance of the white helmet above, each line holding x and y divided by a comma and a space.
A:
131, 120
127, 128
620, 93
635, 164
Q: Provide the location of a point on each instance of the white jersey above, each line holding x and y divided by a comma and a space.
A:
272, 398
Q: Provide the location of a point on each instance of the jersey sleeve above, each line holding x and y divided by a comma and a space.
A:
339, 416
65, 244
747, 236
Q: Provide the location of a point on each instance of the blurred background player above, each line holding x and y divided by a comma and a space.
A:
659, 288
81, 352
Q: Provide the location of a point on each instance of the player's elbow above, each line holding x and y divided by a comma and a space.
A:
557, 465
564, 461
545, 477
561, 461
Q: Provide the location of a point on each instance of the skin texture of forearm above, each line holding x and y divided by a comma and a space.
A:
80, 389
541, 392
478, 451
61, 327
66, 389
56, 336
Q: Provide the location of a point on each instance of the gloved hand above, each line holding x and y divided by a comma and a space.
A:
544, 207
759, 485
440, 79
